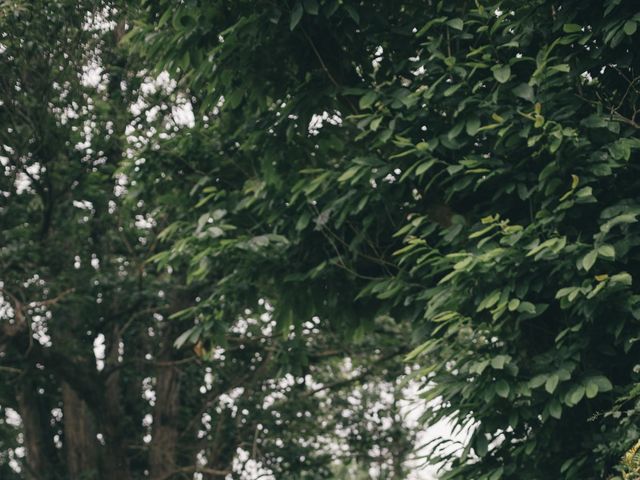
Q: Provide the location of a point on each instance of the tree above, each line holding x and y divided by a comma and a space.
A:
95, 387
473, 176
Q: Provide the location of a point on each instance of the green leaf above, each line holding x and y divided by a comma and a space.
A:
473, 125
538, 380
489, 301
607, 251
499, 361
368, 99
481, 445
303, 221
524, 91
456, 23
591, 389
180, 341
353, 13
497, 474
190, 336
311, 6
623, 278
502, 388
452, 89
416, 352
555, 409
375, 123
501, 73
563, 292
424, 166
296, 16
571, 28
551, 383
603, 383
589, 260
513, 304
576, 394
630, 27
527, 307
349, 173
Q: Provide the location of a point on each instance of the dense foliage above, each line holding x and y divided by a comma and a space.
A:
93, 387
448, 182
467, 167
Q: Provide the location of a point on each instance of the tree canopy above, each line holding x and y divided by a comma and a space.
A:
274, 216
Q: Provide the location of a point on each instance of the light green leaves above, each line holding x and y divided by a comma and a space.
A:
622, 278
591, 389
501, 73
619, 220
589, 260
570, 292
551, 383
574, 395
600, 382
189, 336
424, 166
367, 99
452, 89
489, 301
456, 23
527, 307
349, 173
607, 251
538, 381
498, 362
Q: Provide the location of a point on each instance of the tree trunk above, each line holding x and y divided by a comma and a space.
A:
34, 427
79, 436
162, 455
115, 464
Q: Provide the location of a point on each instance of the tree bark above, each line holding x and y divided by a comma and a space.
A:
34, 428
115, 464
162, 454
79, 436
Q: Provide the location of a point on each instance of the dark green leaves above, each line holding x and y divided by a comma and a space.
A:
311, 6
483, 189
630, 27
524, 91
571, 28
555, 409
296, 15
502, 388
